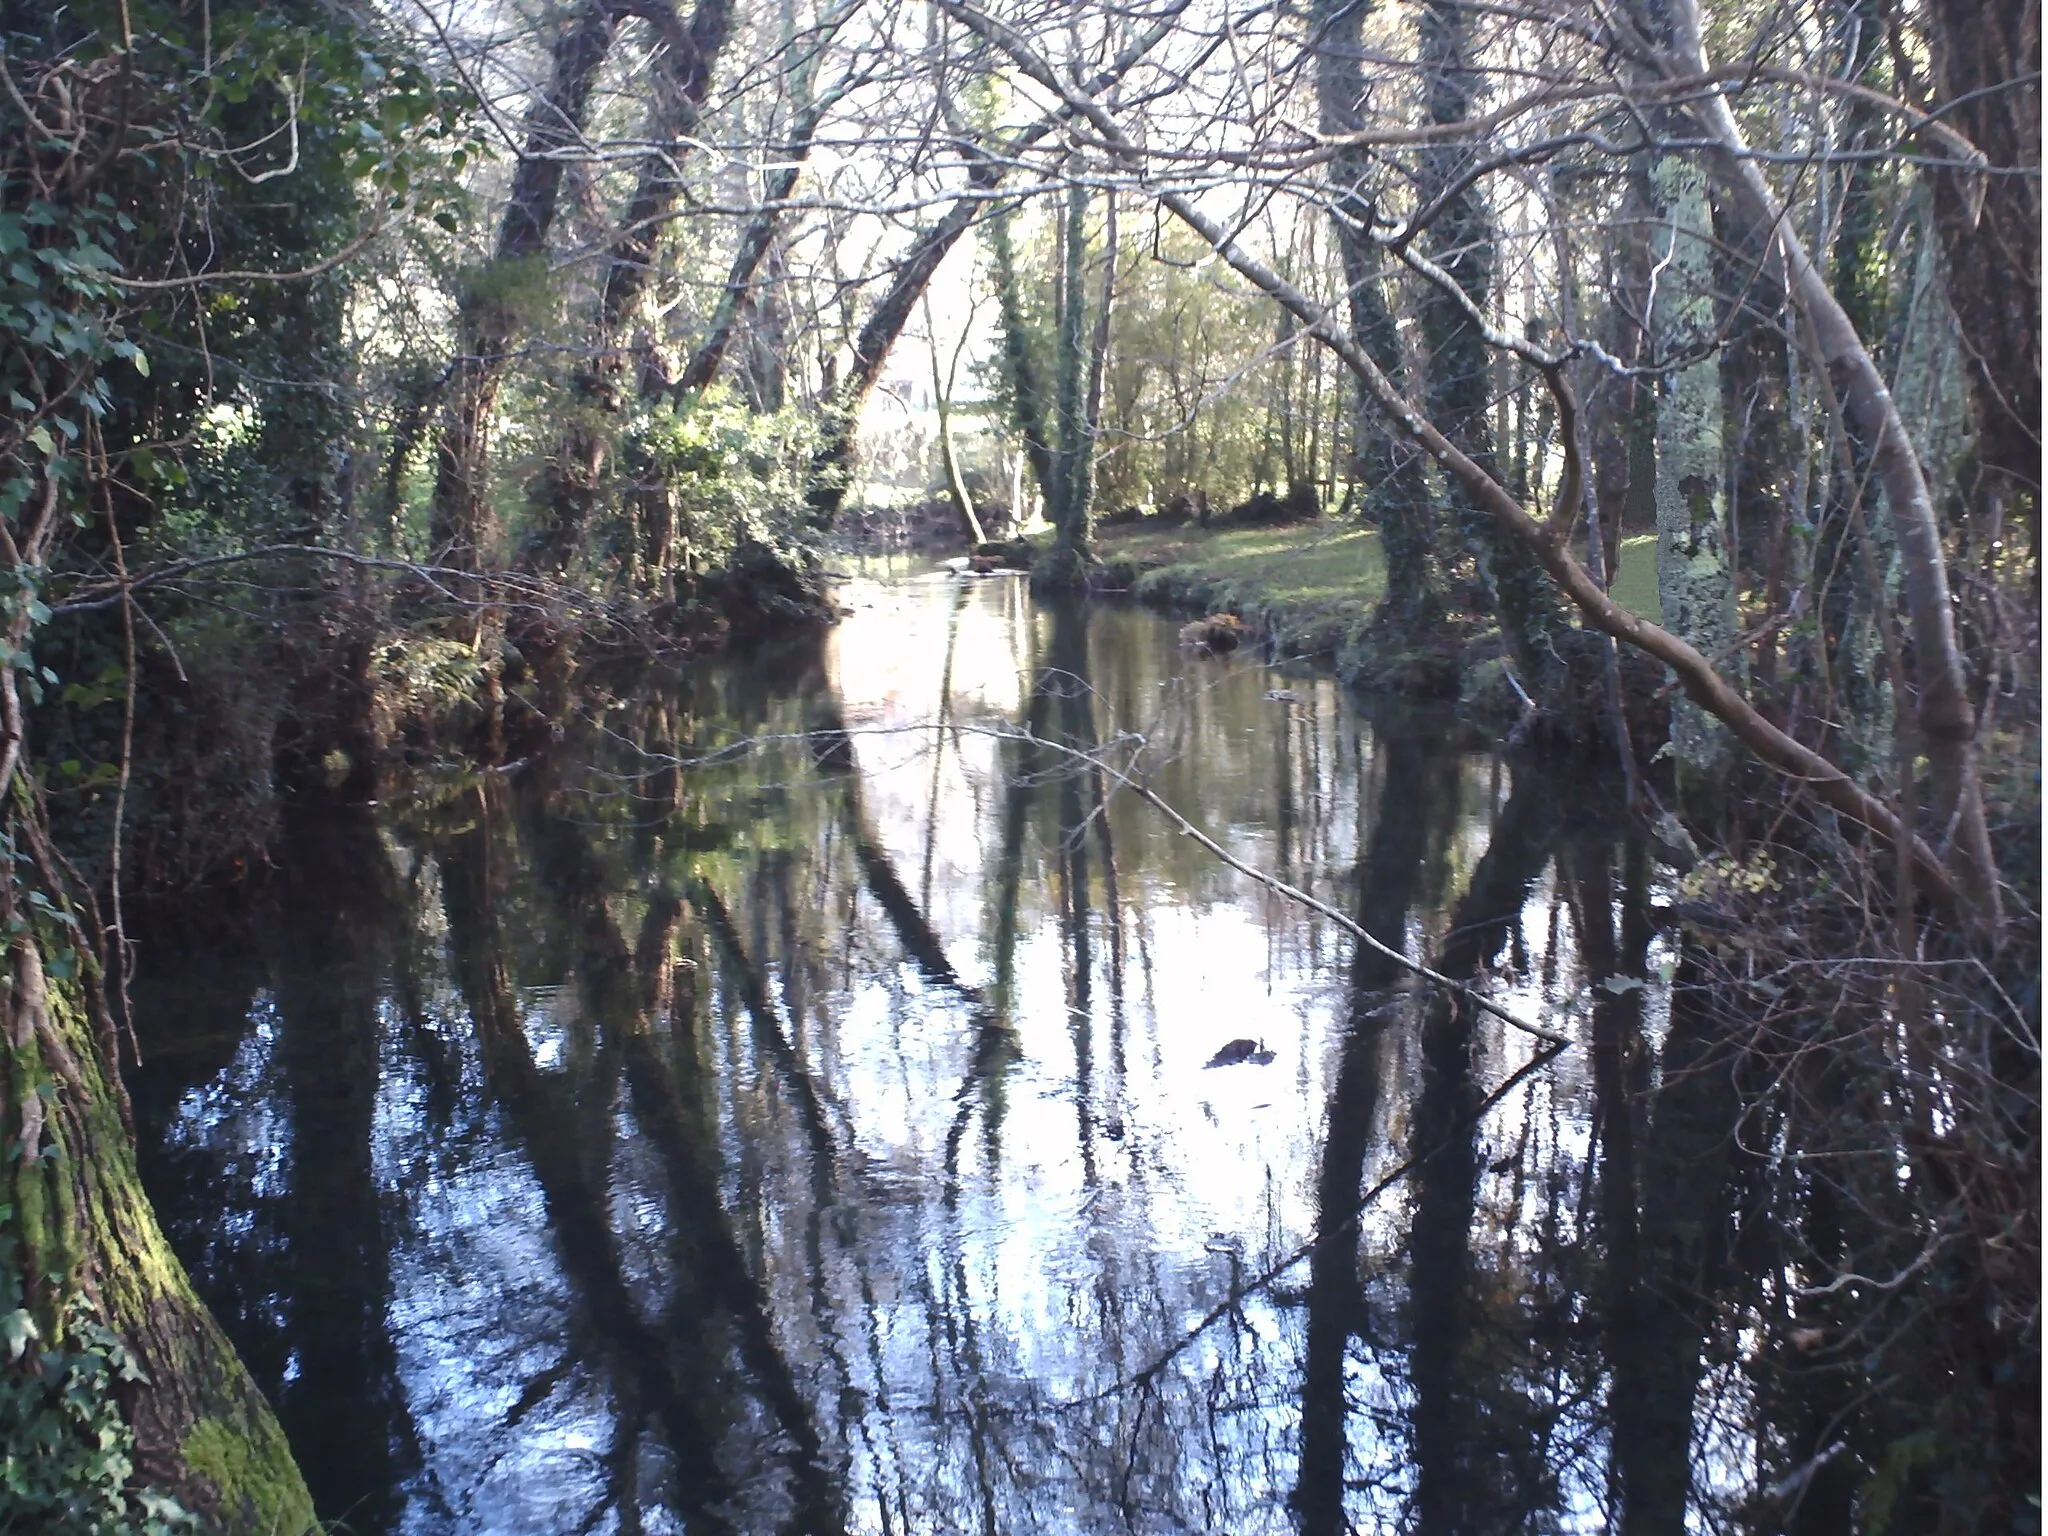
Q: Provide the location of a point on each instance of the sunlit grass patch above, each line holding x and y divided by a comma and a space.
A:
1312, 564
1635, 578
1311, 585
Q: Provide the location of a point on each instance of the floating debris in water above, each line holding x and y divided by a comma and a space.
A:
1239, 1051
1219, 632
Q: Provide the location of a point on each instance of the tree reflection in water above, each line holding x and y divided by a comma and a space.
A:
817, 1137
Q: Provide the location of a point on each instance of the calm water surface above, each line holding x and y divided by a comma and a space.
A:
819, 1137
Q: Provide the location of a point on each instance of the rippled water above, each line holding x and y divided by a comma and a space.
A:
818, 1135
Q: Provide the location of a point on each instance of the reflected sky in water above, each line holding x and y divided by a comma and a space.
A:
819, 1136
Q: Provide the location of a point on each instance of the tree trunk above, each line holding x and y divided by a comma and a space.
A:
1460, 238
754, 244
832, 464
79, 1242
942, 398
1069, 494
1695, 569
1946, 721
684, 60
1987, 69
1544, 542
1395, 497
1098, 349
78, 1228
1021, 366
489, 318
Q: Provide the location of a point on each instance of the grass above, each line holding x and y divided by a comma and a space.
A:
1635, 578
1309, 578
1310, 586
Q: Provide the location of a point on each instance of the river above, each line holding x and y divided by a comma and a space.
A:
784, 1104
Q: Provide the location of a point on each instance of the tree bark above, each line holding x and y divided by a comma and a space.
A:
1395, 497
1459, 383
489, 318
684, 59
1987, 74
1021, 365
1946, 721
83, 1228
942, 400
75, 1225
1695, 567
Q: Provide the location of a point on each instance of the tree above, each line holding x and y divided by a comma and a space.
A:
495, 302
1395, 496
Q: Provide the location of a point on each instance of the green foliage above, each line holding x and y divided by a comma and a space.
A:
170, 141
1185, 392
67, 1462
738, 476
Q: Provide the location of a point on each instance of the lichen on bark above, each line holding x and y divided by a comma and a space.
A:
1695, 572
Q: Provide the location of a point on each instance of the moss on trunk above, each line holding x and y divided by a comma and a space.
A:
83, 1233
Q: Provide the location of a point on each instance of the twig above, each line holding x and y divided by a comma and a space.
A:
1296, 894
1144, 792
1340, 1228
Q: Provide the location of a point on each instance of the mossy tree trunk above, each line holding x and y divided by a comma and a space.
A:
1020, 364
490, 317
1944, 717
1460, 240
80, 1247
1059, 432
684, 60
82, 1230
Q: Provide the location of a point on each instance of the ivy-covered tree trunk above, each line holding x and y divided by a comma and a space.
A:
1395, 496
1020, 365
684, 60
1068, 496
86, 1271
1695, 571
1460, 239
492, 309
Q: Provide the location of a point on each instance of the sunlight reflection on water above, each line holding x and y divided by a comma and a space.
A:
887, 1187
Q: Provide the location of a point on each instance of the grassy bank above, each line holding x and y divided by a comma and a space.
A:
1311, 588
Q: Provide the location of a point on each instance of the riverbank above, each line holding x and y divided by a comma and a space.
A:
1310, 590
